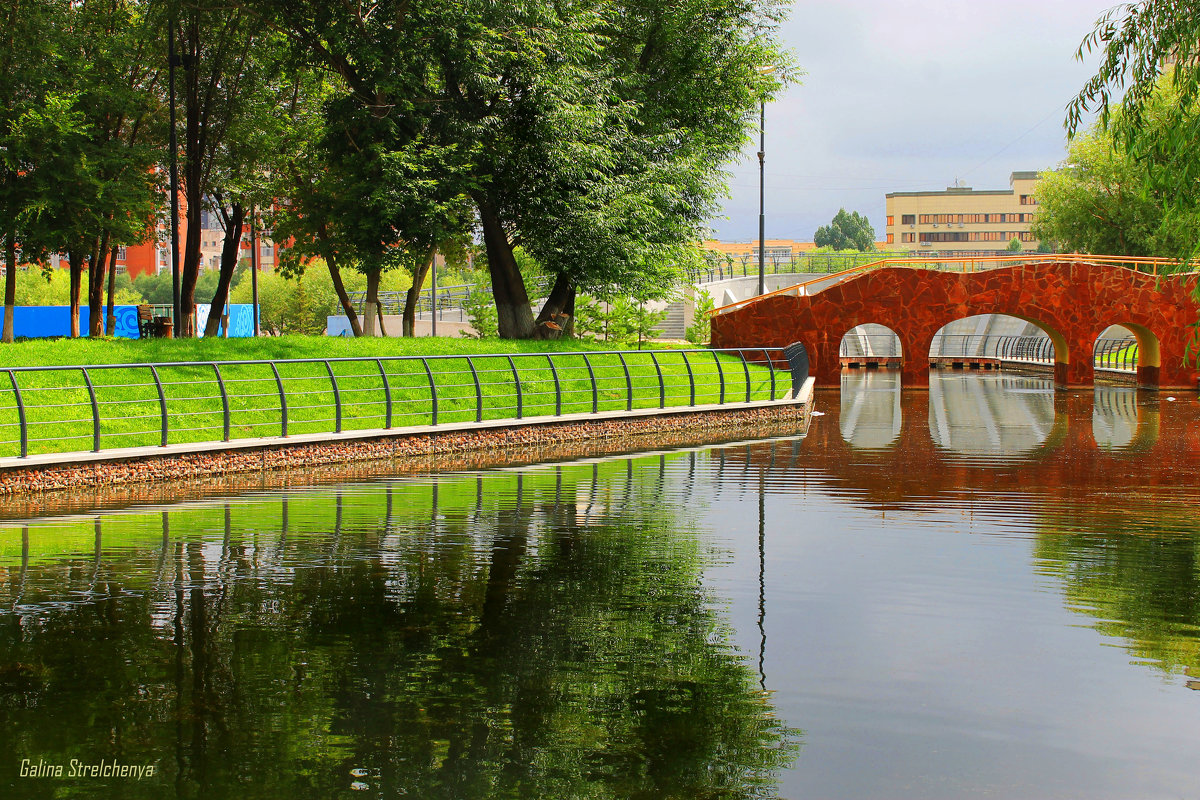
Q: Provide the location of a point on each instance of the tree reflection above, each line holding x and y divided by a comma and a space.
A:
1142, 586
548, 636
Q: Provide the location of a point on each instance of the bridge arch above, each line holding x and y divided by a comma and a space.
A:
870, 345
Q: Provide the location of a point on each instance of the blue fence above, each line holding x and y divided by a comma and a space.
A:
46, 321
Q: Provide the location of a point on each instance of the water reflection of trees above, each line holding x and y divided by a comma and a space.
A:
1141, 585
544, 635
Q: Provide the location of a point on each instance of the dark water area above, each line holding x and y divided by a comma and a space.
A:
987, 589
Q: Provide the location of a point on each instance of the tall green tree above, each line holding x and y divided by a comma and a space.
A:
1110, 197
847, 231
27, 46
1140, 43
593, 135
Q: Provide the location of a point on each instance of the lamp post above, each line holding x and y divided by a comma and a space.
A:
762, 219
172, 61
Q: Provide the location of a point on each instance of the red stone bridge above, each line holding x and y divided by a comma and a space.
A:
1073, 299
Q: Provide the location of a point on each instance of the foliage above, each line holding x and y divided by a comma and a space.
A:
481, 312
1014, 246
1106, 198
1143, 46
53, 288
620, 322
700, 330
846, 231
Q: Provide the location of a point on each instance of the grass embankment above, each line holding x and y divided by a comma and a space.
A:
59, 411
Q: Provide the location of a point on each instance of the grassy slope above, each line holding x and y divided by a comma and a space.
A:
58, 404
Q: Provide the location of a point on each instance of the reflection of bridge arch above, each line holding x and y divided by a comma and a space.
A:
967, 416
865, 422
1071, 301
1069, 462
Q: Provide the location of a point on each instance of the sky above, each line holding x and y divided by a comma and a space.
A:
909, 95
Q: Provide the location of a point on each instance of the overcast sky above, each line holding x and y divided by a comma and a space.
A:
909, 95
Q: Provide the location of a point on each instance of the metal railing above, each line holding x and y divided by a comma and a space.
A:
1111, 354
106, 406
1151, 266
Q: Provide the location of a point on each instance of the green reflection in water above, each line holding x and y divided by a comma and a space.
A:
542, 633
1141, 586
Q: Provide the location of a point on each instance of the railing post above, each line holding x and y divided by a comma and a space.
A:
224, 400
12, 377
557, 387
745, 365
595, 390
162, 403
387, 394
691, 379
628, 383
282, 402
433, 400
95, 410
478, 391
720, 376
517, 382
662, 387
771, 364
337, 399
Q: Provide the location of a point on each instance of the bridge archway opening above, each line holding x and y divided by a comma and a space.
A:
870, 346
1125, 348
993, 341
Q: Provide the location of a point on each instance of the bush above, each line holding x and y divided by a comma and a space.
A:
700, 330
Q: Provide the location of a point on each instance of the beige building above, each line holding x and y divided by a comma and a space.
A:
961, 220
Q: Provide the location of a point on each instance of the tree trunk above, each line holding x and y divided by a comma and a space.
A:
75, 259
414, 293
229, 258
10, 285
556, 317
96, 276
110, 325
514, 317
373, 298
335, 274
195, 142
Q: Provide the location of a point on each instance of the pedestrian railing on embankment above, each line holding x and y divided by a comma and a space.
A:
109, 406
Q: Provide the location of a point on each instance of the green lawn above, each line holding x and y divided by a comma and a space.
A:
460, 380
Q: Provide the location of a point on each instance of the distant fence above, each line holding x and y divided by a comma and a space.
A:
106, 406
1112, 354
36, 322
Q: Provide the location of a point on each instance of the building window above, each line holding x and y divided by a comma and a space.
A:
908, 237
908, 219
891, 220
1028, 200
891, 237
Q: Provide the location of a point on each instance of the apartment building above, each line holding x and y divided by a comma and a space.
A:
155, 256
962, 220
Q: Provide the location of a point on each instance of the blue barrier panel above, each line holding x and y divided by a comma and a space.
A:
45, 321
42, 321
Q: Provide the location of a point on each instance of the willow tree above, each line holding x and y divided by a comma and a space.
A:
1140, 44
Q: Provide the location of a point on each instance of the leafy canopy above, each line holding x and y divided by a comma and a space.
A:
847, 231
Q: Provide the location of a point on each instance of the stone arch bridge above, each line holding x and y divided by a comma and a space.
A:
1073, 300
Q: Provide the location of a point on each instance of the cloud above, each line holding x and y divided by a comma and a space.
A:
902, 96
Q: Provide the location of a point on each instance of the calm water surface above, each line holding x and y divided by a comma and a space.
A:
986, 589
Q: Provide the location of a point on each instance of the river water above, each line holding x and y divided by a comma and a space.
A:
989, 589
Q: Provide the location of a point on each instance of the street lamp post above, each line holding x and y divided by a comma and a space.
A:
172, 61
762, 220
